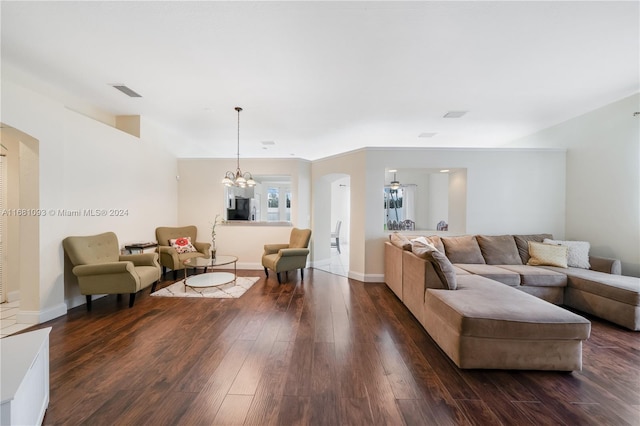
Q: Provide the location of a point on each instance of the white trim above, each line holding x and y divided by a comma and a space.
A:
13, 296
81, 300
366, 278
320, 263
38, 317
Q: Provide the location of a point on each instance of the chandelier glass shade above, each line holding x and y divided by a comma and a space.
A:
395, 184
238, 178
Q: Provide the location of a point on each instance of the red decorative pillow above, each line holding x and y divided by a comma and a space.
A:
183, 245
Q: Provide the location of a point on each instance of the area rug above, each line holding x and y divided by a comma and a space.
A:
228, 291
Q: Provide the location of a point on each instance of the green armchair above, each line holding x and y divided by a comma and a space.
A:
169, 256
287, 257
101, 269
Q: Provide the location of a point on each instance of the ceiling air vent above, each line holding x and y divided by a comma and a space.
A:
455, 114
127, 91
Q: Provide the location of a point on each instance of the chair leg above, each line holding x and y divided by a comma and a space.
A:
88, 303
338, 244
266, 272
153, 287
175, 274
301, 273
278, 275
132, 299
164, 271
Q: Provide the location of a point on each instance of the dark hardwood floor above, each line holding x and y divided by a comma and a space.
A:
324, 351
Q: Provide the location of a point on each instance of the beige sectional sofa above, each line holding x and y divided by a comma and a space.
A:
487, 308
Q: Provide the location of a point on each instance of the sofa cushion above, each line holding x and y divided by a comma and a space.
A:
441, 263
547, 255
463, 249
578, 255
622, 288
459, 271
523, 246
484, 308
499, 249
492, 272
400, 241
536, 276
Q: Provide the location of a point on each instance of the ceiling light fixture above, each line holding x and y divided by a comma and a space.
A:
238, 178
395, 184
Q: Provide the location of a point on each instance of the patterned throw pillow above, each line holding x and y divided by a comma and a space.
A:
578, 252
547, 255
183, 245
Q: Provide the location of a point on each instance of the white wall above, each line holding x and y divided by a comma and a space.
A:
603, 179
201, 198
85, 164
508, 191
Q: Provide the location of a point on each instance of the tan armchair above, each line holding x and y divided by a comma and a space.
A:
169, 257
287, 257
101, 269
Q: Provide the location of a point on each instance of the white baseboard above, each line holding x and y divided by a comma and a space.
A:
13, 296
366, 278
251, 266
80, 300
38, 317
320, 263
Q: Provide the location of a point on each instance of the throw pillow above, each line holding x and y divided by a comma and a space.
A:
499, 250
464, 249
547, 255
437, 242
578, 252
182, 245
523, 246
421, 246
400, 241
441, 264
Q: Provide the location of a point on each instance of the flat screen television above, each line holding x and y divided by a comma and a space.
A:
242, 210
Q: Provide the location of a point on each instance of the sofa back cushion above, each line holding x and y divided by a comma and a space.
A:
499, 249
522, 241
164, 234
400, 241
87, 250
299, 238
463, 249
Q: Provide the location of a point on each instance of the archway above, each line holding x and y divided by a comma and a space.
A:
22, 240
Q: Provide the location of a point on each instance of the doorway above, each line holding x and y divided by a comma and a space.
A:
336, 241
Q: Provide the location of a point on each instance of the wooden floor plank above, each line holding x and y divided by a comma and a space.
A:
326, 350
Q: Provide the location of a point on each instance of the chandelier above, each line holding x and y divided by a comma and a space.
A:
238, 178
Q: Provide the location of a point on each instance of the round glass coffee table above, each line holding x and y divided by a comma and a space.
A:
210, 279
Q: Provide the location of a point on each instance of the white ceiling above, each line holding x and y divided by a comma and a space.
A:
320, 78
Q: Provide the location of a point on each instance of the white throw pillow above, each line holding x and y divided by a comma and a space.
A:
424, 242
578, 252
